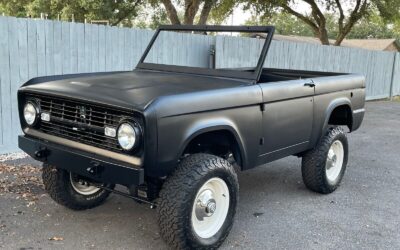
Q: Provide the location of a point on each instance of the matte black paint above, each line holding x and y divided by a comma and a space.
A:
281, 108
104, 170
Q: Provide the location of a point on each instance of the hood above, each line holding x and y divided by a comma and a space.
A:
134, 89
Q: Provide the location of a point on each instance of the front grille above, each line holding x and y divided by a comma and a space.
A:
80, 121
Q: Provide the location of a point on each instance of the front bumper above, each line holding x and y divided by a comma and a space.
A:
97, 167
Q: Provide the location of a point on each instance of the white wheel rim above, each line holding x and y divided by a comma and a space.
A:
82, 187
334, 161
210, 208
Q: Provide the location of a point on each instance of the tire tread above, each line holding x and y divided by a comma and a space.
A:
56, 185
313, 162
189, 172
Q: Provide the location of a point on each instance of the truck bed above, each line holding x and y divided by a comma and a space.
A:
278, 75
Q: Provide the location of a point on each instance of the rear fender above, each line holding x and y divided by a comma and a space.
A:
334, 104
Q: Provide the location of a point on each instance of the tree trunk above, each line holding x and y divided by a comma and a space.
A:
205, 12
339, 39
346, 30
191, 8
171, 12
323, 36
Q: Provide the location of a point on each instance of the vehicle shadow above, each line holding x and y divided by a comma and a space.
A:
281, 178
121, 223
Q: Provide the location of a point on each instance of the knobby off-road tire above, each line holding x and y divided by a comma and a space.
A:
181, 195
324, 166
58, 184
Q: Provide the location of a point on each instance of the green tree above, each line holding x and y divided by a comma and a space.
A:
346, 13
14, 7
150, 16
114, 11
372, 26
195, 11
285, 24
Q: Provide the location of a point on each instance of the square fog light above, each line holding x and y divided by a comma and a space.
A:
111, 132
45, 117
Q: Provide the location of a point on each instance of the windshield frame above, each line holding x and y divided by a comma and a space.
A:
250, 73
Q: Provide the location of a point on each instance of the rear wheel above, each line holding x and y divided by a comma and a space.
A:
324, 166
71, 190
198, 202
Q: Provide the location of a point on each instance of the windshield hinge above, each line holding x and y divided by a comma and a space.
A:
262, 107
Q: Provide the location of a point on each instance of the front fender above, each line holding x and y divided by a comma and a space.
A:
176, 132
205, 126
172, 144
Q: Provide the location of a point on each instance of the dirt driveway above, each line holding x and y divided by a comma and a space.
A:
275, 210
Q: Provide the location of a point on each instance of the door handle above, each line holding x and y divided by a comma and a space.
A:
309, 84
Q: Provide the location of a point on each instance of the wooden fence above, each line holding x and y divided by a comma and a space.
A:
30, 48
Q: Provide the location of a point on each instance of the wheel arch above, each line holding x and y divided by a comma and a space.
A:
339, 112
224, 131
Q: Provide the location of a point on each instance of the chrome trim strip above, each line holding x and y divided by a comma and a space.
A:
359, 111
136, 162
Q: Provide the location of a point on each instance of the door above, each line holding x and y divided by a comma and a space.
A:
287, 118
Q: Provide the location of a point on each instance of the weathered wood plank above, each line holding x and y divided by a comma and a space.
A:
41, 47
109, 48
95, 48
73, 43
114, 49
49, 33
32, 53
80, 34
128, 49
14, 78
66, 53
88, 50
102, 48
23, 69
58, 48
5, 108
396, 76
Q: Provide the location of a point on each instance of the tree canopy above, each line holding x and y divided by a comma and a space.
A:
149, 13
114, 11
372, 26
195, 11
346, 13
324, 19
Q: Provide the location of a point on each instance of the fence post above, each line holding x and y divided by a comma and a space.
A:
392, 78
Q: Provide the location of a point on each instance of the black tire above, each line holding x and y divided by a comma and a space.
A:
57, 183
314, 162
177, 198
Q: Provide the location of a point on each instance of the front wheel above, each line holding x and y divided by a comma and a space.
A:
198, 203
323, 167
71, 190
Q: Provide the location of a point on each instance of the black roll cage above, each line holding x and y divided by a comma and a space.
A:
250, 73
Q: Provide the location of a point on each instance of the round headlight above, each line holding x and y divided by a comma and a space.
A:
30, 113
126, 136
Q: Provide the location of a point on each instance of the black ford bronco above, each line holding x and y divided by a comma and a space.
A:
176, 134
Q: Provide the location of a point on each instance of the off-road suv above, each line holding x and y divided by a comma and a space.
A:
176, 135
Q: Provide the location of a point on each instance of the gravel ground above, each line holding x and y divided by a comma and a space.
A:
275, 210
